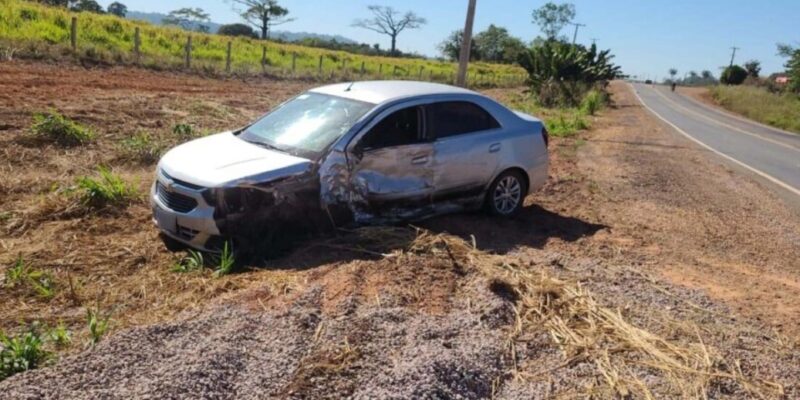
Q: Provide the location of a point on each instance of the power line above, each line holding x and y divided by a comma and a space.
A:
575, 36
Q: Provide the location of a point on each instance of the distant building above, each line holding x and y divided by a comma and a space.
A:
781, 79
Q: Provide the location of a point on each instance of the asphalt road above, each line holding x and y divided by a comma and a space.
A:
770, 153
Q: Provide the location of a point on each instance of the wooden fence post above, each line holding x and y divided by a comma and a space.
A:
319, 69
363, 68
394, 72
294, 63
263, 58
228, 58
344, 67
420, 71
137, 43
380, 70
73, 33
188, 61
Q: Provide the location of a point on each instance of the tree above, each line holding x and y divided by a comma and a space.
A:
262, 14
118, 9
88, 6
451, 47
387, 21
496, 45
552, 18
57, 3
672, 73
792, 65
733, 75
753, 68
237, 30
187, 18
707, 75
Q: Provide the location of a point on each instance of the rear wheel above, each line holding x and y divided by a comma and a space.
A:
506, 194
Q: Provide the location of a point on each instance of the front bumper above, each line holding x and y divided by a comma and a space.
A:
195, 227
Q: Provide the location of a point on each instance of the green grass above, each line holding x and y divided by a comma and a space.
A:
780, 111
60, 129
142, 147
192, 262
107, 190
60, 335
560, 122
21, 274
42, 31
21, 353
97, 326
226, 261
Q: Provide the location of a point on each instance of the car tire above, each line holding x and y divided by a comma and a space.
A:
506, 194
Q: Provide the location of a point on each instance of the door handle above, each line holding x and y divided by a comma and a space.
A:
419, 160
494, 148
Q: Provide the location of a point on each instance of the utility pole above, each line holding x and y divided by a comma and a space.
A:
734, 48
594, 41
463, 59
575, 37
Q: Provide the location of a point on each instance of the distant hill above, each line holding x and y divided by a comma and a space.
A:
158, 18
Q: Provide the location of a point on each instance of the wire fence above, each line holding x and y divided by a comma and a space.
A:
202, 53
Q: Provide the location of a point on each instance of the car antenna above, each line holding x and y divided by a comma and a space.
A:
350, 86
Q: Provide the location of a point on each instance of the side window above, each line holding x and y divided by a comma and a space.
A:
457, 118
399, 128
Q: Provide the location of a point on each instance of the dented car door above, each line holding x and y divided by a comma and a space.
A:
391, 163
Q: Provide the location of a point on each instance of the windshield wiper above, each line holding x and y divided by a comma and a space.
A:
263, 144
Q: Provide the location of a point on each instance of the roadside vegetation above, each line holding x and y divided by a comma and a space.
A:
781, 110
60, 129
32, 30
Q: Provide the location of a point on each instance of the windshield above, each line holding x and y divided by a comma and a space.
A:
307, 124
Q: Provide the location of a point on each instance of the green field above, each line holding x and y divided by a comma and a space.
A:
32, 30
780, 111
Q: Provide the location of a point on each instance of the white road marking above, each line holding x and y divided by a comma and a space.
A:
712, 120
727, 157
740, 118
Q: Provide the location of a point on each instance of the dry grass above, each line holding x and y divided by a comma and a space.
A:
779, 110
621, 354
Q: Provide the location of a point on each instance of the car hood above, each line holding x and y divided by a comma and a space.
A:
225, 160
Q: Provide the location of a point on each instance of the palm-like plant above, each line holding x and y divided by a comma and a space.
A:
559, 73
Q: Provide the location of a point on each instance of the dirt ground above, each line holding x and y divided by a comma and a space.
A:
660, 232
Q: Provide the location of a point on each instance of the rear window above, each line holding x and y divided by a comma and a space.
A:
454, 118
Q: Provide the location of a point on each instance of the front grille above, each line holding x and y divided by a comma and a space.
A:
175, 201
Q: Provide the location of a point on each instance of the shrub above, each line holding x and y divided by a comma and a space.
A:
107, 190
559, 73
60, 129
733, 75
142, 148
21, 353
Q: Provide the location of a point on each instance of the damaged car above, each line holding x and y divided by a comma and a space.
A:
350, 153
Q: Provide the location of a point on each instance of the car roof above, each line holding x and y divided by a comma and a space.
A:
377, 92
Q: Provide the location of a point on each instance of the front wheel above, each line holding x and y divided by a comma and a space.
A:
506, 194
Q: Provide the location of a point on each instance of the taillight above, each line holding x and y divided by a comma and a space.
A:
546, 137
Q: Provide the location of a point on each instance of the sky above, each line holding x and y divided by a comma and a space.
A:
647, 36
